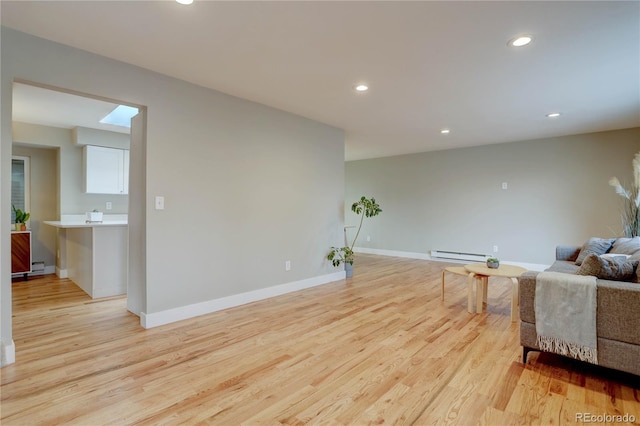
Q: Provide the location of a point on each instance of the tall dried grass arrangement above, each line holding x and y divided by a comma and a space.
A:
631, 209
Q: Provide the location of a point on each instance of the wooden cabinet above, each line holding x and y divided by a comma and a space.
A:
106, 170
21, 252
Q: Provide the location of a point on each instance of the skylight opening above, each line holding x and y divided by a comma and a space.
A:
120, 116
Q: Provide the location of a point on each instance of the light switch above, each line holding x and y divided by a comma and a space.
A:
159, 202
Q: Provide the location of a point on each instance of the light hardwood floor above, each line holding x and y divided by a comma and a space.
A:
380, 348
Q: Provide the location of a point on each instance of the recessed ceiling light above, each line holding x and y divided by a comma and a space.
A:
520, 41
553, 114
184, 1
361, 88
445, 131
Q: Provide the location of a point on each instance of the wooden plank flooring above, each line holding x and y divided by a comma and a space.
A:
379, 348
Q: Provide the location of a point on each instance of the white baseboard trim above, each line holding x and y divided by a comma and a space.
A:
393, 253
62, 273
425, 256
46, 271
156, 319
7, 353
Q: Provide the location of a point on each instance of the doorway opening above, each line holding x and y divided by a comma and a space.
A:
66, 122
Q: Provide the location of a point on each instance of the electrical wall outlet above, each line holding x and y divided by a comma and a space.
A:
108, 205
368, 237
287, 265
495, 249
505, 185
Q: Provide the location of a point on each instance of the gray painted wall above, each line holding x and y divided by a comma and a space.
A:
43, 173
246, 186
558, 193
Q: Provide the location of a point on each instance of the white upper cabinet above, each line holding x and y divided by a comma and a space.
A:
106, 170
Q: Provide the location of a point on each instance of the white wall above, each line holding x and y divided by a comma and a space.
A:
558, 193
247, 187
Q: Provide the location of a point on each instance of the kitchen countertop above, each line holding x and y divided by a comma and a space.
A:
80, 221
84, 224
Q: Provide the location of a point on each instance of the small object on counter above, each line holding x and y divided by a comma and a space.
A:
94, 217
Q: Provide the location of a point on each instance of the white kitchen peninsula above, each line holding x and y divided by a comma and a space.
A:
93, 255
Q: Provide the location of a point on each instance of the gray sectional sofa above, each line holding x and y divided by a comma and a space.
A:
617, 321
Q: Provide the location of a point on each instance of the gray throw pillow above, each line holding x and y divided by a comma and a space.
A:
608, 268
594, 246
626, 245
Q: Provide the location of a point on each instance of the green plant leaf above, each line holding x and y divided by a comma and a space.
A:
364, 207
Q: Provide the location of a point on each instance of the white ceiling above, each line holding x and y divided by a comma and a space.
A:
36, 105
430, 65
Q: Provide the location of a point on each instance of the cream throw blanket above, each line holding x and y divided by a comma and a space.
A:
566, 306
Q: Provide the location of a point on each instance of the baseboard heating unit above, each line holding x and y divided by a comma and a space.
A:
454, 255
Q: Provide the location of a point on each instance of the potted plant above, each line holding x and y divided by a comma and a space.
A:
338, 255
631, 207
21, 218
493, 262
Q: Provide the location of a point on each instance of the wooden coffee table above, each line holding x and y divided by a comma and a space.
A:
482, 274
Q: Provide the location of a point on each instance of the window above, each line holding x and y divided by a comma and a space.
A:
19, 184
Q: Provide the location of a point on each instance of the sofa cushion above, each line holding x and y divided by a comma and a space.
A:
567, 253
615, 256
626, 246
566, 266
608, 268
594, 246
